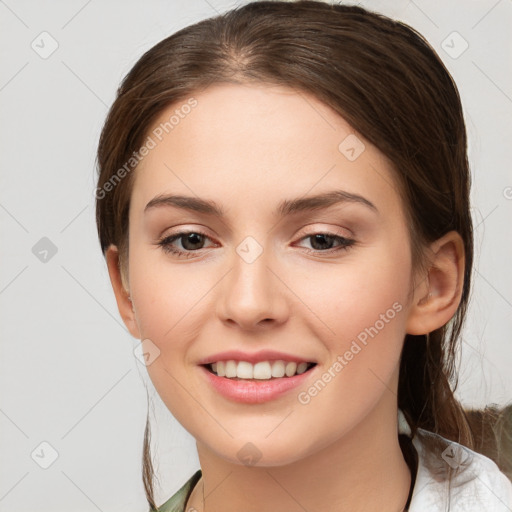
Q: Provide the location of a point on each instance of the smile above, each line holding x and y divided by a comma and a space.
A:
262, 370
244, 382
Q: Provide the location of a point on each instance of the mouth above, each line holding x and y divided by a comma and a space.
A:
260, 371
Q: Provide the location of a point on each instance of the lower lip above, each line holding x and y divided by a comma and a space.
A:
254, 391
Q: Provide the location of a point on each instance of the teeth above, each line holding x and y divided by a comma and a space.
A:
302, 367
264, 370
290, 369
231, 367
244, 370
278, 369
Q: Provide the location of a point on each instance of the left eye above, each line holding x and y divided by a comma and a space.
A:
193, 241
324, 241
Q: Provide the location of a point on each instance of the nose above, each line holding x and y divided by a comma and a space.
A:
252, 295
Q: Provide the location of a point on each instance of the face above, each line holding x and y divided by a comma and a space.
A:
264, 274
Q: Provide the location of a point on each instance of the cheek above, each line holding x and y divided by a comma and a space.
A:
172, 303
165, 296
352, 296
363, 307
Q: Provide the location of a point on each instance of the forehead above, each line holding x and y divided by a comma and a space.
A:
257, 144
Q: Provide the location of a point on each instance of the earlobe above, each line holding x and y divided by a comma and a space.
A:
437, 297
123, 299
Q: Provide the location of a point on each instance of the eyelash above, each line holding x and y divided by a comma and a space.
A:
165, 243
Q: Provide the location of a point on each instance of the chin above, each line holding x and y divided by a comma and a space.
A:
260, 452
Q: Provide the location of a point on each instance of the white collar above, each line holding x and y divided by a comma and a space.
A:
451, 477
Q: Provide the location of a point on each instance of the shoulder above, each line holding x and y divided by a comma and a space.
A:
177, 502
453, 477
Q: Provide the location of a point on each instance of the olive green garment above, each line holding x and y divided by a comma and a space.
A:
178, 501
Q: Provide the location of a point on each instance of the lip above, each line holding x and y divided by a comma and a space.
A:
254, 391
255, 357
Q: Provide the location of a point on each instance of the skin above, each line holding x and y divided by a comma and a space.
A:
249, 147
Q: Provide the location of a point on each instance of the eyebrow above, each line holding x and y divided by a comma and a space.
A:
285, 208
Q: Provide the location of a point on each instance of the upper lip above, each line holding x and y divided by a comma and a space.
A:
254, 357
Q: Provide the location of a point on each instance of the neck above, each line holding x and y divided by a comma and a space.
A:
364, 470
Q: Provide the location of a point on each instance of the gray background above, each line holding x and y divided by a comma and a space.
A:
68, 374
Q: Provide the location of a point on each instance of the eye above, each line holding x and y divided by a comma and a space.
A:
191, 241
323, 242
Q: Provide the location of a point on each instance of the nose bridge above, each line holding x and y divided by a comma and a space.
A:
251, 293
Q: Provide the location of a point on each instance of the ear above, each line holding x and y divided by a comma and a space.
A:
437, 296
124, 303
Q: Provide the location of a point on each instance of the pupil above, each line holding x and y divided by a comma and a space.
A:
193, 239
317, 239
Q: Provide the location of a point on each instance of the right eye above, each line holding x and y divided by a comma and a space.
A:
190, 240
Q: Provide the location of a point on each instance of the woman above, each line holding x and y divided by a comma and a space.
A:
283, 204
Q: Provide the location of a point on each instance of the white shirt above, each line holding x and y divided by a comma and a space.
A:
453, 478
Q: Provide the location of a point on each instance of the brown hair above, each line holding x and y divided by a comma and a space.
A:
386, 81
